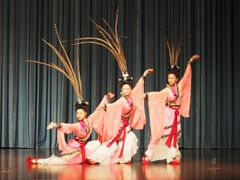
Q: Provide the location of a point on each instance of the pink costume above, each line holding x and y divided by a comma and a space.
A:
165, 108
75, 151
118, 143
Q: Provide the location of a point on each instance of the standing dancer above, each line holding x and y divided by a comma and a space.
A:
75, 151
118, 142
165, 108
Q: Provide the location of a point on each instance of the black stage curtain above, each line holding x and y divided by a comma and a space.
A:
31, 95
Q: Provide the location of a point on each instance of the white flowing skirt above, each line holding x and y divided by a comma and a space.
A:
108, 155
159, 150
163, 152
75, 157
58, 160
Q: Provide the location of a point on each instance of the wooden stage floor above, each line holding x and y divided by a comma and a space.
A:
196, 164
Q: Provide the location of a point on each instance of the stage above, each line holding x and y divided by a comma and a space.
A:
196, 164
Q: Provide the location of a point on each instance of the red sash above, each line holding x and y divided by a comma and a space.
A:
121, 132
173, 134
82, 145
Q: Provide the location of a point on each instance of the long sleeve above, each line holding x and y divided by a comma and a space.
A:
94, 116
72, 128
112, 119
67, 129
138, 120
185, 89
157, 103
97, 118
139, 86
106, 122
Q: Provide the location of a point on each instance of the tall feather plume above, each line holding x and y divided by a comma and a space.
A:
109, 39
67, 70
180, 45
174, 54
171, 51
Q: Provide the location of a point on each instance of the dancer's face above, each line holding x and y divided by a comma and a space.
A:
81, 114
126, 90
172, 79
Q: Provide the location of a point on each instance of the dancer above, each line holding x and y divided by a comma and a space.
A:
75, 151
165, 108
118, 142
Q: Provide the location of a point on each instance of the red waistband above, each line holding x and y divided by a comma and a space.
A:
173, 134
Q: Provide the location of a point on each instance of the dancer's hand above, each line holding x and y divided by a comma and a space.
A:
51, 125
143, 96
110, 95
148, 71
100, 107
194, 58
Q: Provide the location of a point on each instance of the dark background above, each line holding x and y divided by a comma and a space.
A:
31, 95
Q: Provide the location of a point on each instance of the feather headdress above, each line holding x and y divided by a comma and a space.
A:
110, 39
67, 70
174, 54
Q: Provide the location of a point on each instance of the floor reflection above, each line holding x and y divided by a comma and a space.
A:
114, 171
162, 171
196, 164
86, 171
